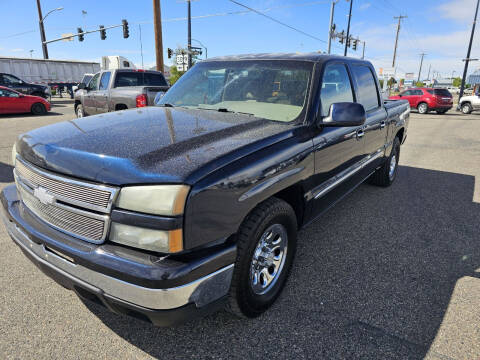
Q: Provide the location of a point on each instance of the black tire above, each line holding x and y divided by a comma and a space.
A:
38, 109
422, 108
466, 108
79, 111
383, 176
243, 301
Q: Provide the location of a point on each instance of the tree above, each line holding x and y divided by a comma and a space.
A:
391, 81
457, 82
175, 74
419, 84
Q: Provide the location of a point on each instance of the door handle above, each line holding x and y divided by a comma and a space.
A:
360, 134
382, 124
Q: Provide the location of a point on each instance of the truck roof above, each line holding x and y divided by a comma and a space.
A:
314, 57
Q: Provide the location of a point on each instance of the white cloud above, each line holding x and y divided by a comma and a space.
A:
458, 10
365, 6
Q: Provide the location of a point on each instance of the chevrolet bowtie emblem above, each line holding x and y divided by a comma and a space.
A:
42, 194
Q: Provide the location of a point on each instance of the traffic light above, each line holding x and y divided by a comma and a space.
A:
355, 42
80, 34
170, 53
103, 32
342, 36
125, 29
334, 27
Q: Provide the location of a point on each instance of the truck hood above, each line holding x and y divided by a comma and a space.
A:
148, 145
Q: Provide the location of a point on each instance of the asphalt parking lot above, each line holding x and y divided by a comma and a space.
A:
388, 273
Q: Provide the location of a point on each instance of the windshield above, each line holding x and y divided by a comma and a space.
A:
275, 90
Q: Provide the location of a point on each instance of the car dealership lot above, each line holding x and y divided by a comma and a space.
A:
392, 273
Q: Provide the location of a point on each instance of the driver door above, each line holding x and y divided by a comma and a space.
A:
337, 149
89, 105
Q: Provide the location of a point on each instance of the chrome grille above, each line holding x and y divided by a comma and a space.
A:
77, 208
79, 225
94, 197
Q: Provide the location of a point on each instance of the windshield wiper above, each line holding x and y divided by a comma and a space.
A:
235, 112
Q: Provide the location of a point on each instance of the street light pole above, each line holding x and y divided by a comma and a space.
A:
465, 69
157, 21
348, 28
421, 63
189, 34
42, 31
330, 32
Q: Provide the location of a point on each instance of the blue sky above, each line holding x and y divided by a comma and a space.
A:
439, 28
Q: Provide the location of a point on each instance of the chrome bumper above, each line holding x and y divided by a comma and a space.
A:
201, 292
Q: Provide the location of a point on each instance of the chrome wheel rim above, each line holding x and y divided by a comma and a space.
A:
79, 113
268, 259
393, 165
423, 108
465, 109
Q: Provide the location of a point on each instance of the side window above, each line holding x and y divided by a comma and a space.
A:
93, 84
407, 93
12, 80
104, 81
367, 90
7, 93
336, 87
419, 92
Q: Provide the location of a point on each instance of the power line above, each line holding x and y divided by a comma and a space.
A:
277, 21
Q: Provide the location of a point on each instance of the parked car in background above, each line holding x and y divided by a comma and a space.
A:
12, 101
469, 103
170, 212
120, 89
427, 99
453, 90
17, 84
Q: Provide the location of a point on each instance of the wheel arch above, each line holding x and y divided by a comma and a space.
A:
120, 106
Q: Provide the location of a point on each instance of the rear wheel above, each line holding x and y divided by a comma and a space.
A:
466, 108
385, 176
38, 109
422, 108
265, 249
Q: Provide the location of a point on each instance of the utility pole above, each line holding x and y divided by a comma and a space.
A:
189, 34
42, 31
363, 51
157, 21
465, 69
421, 63
429, 68
348, 28
330, 29
396, 38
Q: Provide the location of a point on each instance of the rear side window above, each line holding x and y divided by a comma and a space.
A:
336, 87
441, 92
139, 79
104, 81
367, 90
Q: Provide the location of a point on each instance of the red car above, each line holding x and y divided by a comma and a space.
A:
12, 101
427, 99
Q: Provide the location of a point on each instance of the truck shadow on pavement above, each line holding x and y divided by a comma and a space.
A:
6, 173
372, 279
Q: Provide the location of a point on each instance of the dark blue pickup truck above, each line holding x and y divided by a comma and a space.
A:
172, 211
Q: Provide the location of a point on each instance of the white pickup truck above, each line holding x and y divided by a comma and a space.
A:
469, 103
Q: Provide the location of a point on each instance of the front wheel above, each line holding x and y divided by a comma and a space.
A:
38, 109
79, 111
422, 108
266, 247
466, 108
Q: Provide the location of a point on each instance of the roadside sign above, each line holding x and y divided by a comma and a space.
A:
180, 67
179, 60
185, 67
67, 37
185, 59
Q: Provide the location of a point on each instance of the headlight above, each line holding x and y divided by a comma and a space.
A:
166, 200
148, 239
14, 153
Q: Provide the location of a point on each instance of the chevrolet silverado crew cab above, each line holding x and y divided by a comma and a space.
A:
469, 103
171, 211
112, 90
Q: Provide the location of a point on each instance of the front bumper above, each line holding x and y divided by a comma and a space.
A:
194, 293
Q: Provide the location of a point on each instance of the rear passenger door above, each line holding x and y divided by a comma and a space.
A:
101, 96
407, 95
375, 129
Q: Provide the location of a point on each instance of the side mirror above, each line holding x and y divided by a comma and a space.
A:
344, 114
82, 86
158, 97
400, 95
